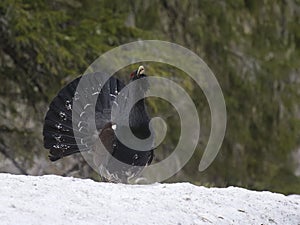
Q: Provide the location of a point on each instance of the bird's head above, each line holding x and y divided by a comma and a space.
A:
137, 74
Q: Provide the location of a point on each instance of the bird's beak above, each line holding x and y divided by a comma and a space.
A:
140, 71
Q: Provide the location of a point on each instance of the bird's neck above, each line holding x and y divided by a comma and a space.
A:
139, 107
139, 120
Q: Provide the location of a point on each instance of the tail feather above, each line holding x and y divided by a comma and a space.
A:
58, 128
61, 138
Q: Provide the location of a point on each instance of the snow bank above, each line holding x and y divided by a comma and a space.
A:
60, 200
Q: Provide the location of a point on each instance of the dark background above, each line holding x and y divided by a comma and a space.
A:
252, 46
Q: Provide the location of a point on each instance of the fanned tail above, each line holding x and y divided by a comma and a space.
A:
70, 113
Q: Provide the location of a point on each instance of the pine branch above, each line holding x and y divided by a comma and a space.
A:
4, 150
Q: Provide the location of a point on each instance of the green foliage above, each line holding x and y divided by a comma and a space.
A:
252, 46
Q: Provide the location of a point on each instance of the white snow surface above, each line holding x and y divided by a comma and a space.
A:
64, 200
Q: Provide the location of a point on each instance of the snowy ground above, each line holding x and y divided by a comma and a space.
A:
58, 200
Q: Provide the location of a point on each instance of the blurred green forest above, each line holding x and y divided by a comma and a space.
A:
252, 46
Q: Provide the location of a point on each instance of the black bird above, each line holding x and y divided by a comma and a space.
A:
117, 162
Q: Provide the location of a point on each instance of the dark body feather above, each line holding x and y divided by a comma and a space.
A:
122, 162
